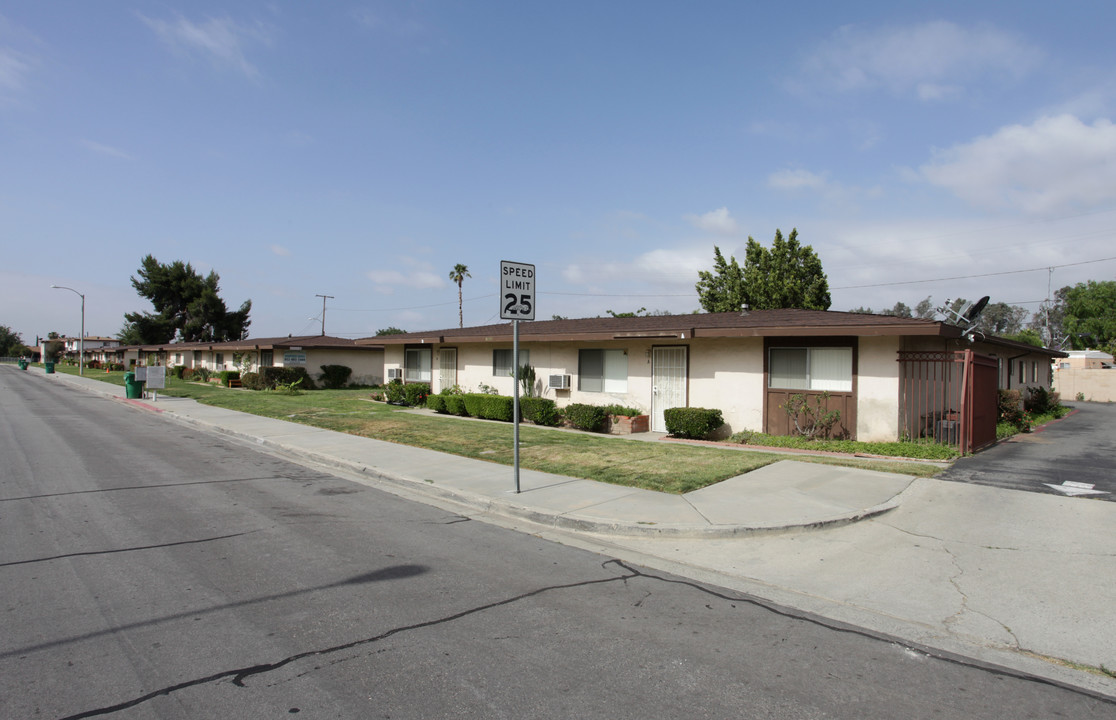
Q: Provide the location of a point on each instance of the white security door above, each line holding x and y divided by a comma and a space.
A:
668, 383
447, 368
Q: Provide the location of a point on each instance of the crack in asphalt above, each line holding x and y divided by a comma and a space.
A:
239, 675
125, 550
142, 487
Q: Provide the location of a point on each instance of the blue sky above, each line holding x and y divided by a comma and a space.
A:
361, 150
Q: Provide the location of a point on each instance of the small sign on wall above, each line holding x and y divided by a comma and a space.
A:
292, 357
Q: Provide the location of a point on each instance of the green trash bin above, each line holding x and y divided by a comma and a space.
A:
49, 367
133, 389
22, 364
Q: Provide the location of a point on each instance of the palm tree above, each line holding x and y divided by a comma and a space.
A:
458, 275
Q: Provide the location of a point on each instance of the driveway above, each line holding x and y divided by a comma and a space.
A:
1077, 451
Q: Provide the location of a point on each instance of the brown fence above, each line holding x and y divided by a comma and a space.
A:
949, 396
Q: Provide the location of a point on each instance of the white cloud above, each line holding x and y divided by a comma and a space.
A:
103, 149
279, 250
931, 60
795, 180
221, 40
14, 67
1054, 165
716, 221
418, 275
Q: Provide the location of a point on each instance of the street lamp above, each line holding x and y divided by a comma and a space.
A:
81, 340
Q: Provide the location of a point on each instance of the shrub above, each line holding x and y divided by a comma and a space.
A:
585, 417
394, 393
455, 404
623, 410
335, 376
202, 374
415, 394
437, 403
179, 371
273, 377
689, 422
811, 421
227, 375
541, 411
252, 381
1041, 401
1010, 406
490, 407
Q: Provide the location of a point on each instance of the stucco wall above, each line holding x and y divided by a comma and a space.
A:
877, 409
367, 365
728, 375
1095, 385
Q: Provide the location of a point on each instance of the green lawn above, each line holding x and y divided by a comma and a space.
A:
666, 467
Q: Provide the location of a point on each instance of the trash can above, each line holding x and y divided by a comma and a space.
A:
22, 364
49, 367
133, 389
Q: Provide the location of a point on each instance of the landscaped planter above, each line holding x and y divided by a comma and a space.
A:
628, 424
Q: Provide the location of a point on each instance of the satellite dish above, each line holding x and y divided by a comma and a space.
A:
973, 313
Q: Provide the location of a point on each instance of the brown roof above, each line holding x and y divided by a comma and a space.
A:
756, 323
311, 342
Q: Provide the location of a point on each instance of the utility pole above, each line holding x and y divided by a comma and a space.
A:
323, 297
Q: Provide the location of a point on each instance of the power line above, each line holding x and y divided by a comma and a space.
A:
966, 277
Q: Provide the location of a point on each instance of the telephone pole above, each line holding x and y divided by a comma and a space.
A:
323, 297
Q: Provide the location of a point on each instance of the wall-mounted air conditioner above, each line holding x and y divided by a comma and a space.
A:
559, 382
395, 373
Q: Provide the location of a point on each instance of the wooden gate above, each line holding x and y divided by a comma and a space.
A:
949, 396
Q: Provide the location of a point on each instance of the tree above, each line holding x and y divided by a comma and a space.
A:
1090, 320
458, 275
925, 308
1001, 319
11, 344
1029, 336
788, 275
638, 313
901, 310
390, 331
185, 304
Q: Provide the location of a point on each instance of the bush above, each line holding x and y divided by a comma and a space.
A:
541, 411
437, 403
455, 404
415, 394
623, 410
689, 422
179, 371
490, 407
1041, 401
251, 381
1010, 406
202, 374
335, 376
274, 377
227, 375
394, 393
586, 417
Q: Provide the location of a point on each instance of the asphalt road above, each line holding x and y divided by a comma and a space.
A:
150, 570
1062, 458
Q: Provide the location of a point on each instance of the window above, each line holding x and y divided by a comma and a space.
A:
813, 368
416, 365
267, 358
1020, 372
602, 371
502, 361
1034, 371
219, 360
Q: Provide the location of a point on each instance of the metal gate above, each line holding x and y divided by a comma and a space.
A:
949, 396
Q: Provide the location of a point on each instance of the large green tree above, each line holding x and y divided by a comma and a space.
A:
1090, 314
11, 344
786, 275
186, 304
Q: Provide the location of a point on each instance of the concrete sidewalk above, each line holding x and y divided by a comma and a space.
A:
1022, 582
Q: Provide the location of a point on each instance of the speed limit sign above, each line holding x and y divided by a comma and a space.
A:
517, 291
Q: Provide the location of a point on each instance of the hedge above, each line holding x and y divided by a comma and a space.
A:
455, 404
586, 417
490, 407
690, 422
437, 403
335, 376
415, 394
541, 411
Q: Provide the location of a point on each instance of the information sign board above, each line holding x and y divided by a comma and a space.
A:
156, 377
517, 291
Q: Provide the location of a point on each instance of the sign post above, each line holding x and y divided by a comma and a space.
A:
517, 302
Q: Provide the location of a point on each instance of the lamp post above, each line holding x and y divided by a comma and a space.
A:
81, 340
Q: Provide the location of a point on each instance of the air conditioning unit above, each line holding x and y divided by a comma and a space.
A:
559, 382
395, 373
